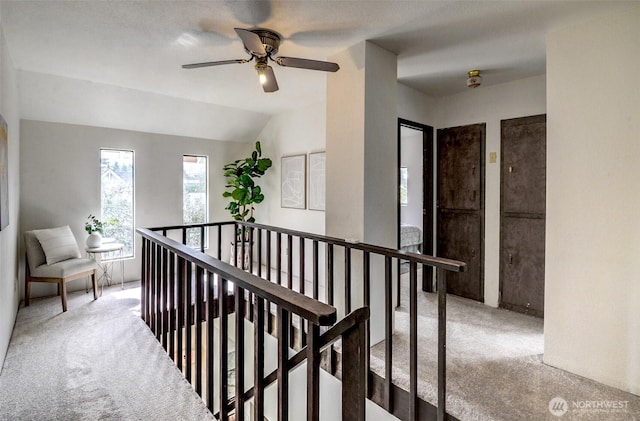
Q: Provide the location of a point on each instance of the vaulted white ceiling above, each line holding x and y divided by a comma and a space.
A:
141, 45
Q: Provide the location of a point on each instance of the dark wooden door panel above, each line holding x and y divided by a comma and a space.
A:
522, 255
522, 214
460, 234
460, 167
524, 163
461, 206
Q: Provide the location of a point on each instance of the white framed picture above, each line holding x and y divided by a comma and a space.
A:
293, 181
317, 180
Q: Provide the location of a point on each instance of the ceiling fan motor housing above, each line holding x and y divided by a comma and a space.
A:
270, 40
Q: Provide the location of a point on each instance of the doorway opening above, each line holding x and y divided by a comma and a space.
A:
415, 193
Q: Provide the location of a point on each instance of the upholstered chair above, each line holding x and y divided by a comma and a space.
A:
53, 256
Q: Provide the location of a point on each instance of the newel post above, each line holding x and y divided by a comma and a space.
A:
354, 371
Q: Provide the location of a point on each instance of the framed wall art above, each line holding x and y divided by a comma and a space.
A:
317, 180
293, 181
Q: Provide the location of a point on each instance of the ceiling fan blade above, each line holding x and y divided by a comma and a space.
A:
303, 63
213, 63
252, 42
270, 84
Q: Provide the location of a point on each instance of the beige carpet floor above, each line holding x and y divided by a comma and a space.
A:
494, 366
97, 361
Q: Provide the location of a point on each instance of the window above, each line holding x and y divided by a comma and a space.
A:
116, 182
403, 186
195, 196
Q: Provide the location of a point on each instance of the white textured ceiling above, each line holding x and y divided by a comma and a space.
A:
142, 44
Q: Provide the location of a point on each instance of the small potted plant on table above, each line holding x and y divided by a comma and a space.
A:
95, 229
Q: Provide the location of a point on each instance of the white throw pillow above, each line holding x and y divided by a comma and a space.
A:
58, 244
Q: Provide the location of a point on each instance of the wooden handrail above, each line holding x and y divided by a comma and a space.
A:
436, 262
315, 311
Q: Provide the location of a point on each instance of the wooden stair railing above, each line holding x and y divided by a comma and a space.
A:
283, 256
186, 295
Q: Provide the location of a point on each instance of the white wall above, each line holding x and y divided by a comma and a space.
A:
592, 311
297, 132
60, 178
415, 106
10, 236
292, 133
490, 104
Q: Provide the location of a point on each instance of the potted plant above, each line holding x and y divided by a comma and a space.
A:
95, 229
242, 189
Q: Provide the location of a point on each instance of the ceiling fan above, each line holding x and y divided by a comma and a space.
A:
262, 45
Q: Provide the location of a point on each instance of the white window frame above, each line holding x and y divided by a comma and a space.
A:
125, 253
206, 197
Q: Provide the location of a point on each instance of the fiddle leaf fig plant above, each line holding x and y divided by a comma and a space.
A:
242, 189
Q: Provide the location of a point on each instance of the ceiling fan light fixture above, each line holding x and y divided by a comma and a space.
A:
262, 45
262, 77
474, 80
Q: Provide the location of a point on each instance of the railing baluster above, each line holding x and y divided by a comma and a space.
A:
283, 370
442, 344
234, 246
159, 308
303, 335
388, 335
188, 307
211, 313
289, 254
259, 262
315, 270
219, 243
198, 307
268, 258
239, 294
182, 273
279, 258
258, 351
172, 306
267, 304
165, 300
413, 341
143, 279
366, 268
152, 290
251, 250
248, 294
224, 350
329, 286
313, 373
347, 280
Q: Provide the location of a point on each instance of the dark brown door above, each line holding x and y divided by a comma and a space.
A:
461, 206
522, 214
